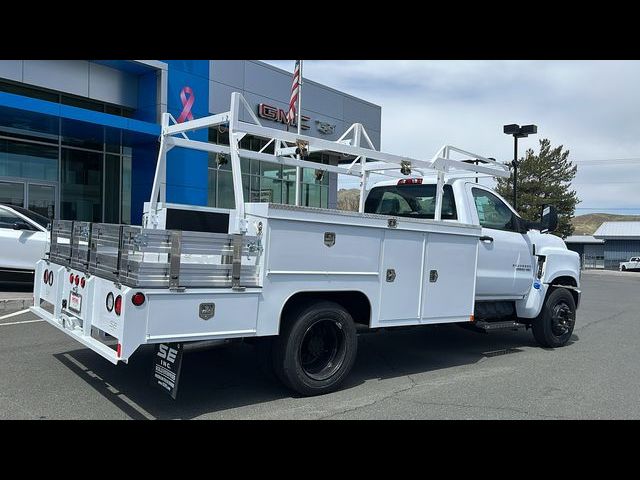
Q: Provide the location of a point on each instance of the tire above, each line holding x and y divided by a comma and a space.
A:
554, 325
623, 268
316, 348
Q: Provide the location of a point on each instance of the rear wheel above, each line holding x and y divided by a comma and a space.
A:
554, 326
316, 348
623, 268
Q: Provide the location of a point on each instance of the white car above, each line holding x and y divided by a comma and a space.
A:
632, 264
23, 241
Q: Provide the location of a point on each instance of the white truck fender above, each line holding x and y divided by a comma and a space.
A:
559, 263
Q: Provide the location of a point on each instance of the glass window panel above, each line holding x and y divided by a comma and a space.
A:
82, 134
29, 125
83, 103
28, 160
289, 193
112, 140
81, 195
125, 199
270, 190
225, 190
271, 170
310, 195
324, 197
213, 180
112, 189
29, 92
289, 173
42, 200
12, 193
113, 110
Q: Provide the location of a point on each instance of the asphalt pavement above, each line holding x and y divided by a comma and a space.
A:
439, 372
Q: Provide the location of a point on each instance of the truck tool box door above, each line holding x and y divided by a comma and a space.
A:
400, 278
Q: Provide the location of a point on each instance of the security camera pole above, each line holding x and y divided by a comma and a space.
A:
518, 132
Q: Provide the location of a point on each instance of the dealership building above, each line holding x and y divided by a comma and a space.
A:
611, 244
79, 138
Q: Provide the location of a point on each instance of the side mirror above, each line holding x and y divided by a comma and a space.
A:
21, 225
549, 218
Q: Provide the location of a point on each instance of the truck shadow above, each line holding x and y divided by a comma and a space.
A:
234, 376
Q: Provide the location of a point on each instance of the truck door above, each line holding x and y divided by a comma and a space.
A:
504, 256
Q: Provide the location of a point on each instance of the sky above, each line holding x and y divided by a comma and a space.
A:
592, 108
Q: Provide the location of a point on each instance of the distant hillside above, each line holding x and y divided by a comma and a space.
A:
348, 199
588, 224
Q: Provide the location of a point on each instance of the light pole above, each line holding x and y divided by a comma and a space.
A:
518, 132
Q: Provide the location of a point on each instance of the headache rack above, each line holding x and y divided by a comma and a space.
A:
155, 258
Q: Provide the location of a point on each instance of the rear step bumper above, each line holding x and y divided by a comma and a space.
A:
78, 334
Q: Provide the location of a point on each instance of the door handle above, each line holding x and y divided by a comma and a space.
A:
486, 238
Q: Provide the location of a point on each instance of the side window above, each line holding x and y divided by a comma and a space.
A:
7, 219
492, 212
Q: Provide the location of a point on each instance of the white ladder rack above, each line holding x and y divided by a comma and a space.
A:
355, 142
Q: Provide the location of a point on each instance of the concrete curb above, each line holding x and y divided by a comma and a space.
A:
10, 305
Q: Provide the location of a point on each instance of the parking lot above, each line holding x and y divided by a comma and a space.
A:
443, 372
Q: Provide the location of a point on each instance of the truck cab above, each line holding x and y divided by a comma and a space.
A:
517, 266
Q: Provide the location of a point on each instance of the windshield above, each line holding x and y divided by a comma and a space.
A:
35, 217
418, 201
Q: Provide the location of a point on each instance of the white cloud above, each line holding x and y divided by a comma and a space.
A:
590, 107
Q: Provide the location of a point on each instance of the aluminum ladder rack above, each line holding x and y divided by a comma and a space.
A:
291, 148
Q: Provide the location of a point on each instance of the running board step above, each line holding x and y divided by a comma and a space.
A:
494, 326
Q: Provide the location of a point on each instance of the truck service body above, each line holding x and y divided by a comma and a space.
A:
420, 250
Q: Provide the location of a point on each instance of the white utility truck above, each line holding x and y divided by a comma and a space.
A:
429, 247
632, 264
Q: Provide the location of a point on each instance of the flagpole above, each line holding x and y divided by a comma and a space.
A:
299, 121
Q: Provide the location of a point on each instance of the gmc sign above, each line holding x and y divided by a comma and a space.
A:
278, 115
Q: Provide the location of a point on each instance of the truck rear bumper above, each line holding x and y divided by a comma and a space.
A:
68, 326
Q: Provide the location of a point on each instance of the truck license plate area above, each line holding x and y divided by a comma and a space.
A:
75, 302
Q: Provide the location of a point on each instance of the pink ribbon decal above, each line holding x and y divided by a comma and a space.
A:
187, 103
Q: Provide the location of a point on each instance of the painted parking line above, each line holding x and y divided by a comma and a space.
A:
18, 323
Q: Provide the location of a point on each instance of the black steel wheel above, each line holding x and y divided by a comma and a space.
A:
316, 348
554, 326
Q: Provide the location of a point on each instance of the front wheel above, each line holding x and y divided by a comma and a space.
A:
554, 326
316, 348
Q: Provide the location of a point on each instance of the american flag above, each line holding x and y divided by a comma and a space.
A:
295, 91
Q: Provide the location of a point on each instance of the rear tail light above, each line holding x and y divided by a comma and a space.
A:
71, 277
138, 299
410, 181
82, 282
119, 350
77, 279
118, 305
46, 276
50, 277
109, 302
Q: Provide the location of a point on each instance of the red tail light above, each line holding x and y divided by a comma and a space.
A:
46, 276
410, 181
71, 277
77, 279
118, 304
119, 350
138, 299
82, 282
